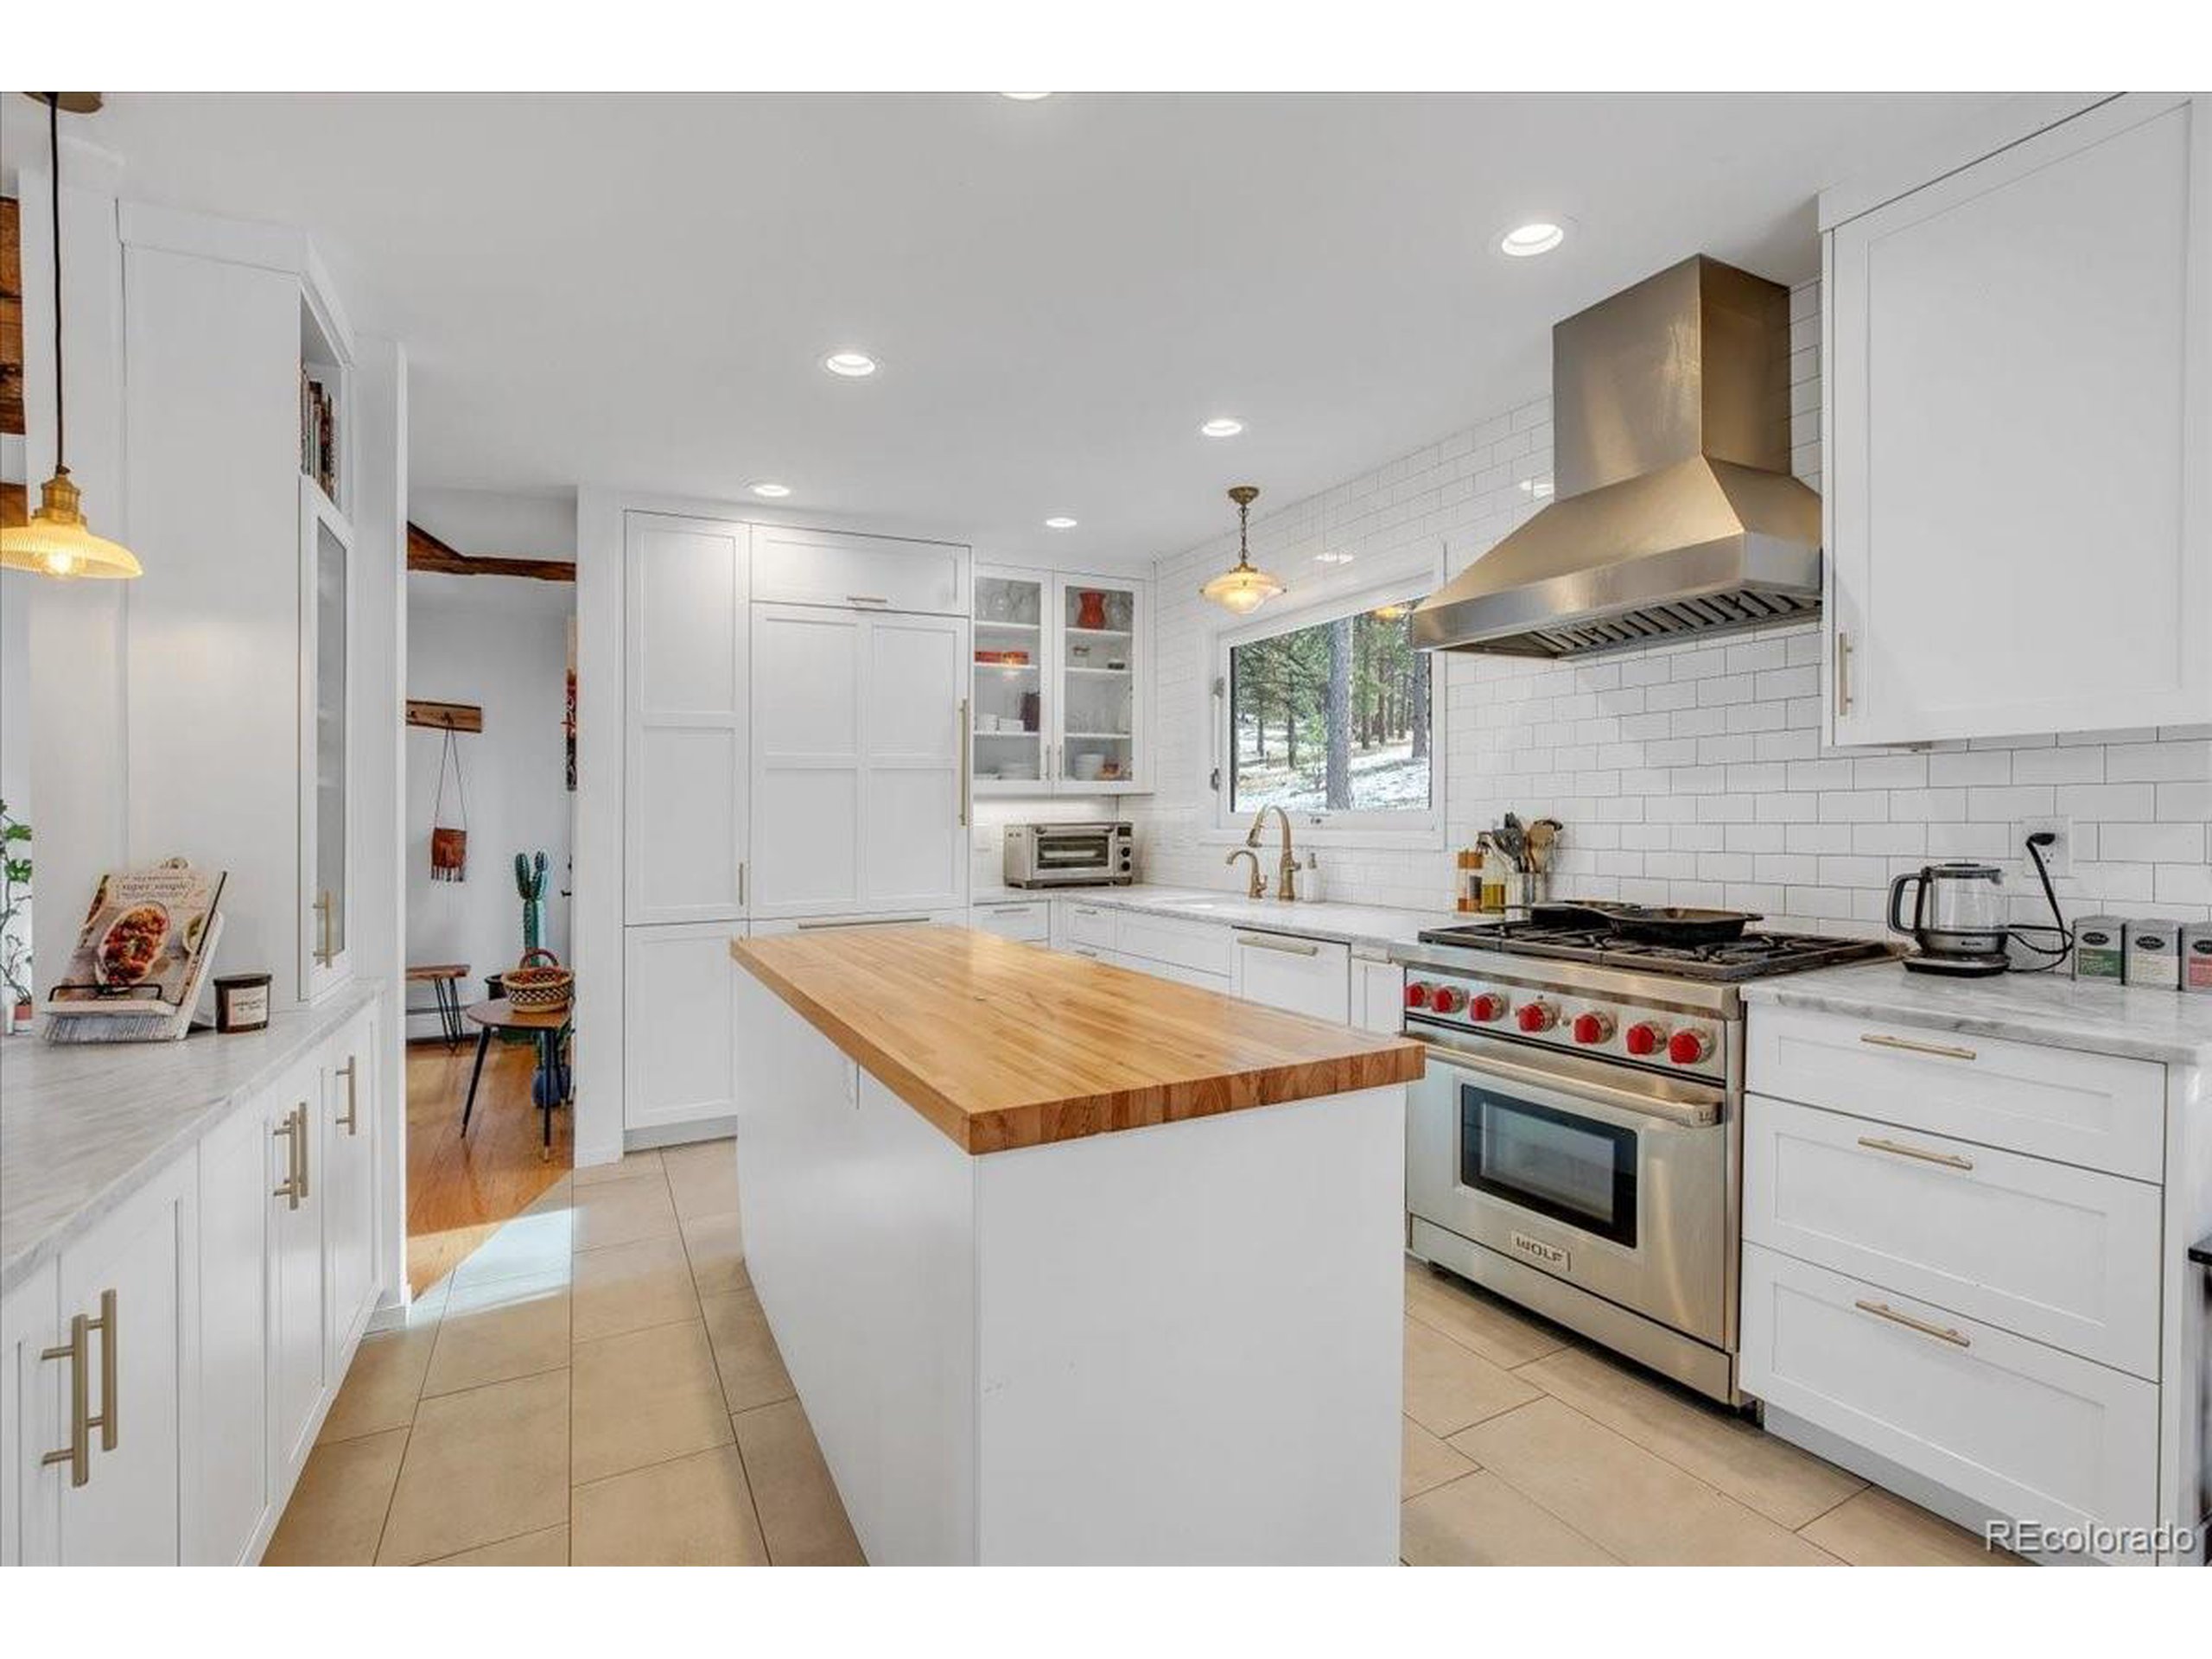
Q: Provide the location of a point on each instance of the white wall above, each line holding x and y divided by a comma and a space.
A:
1685, 774
501, 642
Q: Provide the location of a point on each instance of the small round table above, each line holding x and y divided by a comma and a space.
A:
550, 1026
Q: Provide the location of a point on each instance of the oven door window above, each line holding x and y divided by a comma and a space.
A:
1061, 852
1571, 1168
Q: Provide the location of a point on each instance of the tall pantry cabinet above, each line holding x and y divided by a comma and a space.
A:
795, 747
239, 651
2017, 373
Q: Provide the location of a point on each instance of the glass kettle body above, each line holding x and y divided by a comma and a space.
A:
1958, 910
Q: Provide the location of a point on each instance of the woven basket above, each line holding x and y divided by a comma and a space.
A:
538, 989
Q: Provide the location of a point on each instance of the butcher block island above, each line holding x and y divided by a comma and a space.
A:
1070, 1264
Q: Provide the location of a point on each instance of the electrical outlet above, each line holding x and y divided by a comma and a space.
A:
2058, 857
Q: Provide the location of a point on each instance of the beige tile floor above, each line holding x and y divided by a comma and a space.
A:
597, 1385
594, 1385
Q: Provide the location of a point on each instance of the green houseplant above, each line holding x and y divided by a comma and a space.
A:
15, 908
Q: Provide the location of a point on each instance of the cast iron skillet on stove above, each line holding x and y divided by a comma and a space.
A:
1675, 924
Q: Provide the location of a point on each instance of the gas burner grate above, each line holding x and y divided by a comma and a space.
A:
1752, 957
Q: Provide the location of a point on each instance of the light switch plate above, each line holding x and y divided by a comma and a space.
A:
2058, 857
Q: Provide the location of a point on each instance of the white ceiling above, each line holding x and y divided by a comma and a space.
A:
637, 290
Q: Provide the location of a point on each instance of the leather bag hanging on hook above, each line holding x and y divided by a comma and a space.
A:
449, 847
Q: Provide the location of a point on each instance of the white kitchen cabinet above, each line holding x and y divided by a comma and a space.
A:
126, 1289
687, 640
245, 629
679, 1045
867, 573
31, 1420
326, 709
1378, 994
1062, 705
2017, 414
1307, 976
299, 1351
859, 785
228, 1484
2014, 1427
1030, 920
1074, 923
2065, 1255
349, 1092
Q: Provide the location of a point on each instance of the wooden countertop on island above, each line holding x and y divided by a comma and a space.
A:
1001, 1044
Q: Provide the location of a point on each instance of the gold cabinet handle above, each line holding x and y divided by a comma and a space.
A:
1941, 1332
967, 731
1842, 672
300, 1150
324, 955
289, 1132
1942, 1051
1289, 947
866, 599
1948, 1159
349, 1071
105, 1324
78, 1454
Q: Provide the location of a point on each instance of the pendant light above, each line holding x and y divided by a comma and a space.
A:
56, 543
1242, 588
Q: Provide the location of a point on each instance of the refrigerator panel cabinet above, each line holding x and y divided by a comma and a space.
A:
686, 648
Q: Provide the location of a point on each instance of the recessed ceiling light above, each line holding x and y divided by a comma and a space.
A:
1332, 558
1526, 241
773, 492
1223, 426
1059, 524
851, 365
1025, 97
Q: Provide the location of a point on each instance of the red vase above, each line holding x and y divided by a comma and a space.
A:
1092, 614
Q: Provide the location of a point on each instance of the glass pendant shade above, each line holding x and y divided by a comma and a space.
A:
1243, 587
56, 543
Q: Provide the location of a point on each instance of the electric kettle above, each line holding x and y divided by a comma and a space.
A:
1958, 917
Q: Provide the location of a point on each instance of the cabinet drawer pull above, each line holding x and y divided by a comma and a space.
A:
349, 1071
300, 1147
1289, 947
1842, 673
1941, 1332
1082, 910
1942, 1051
866, 599
105, 1324
288, 1133
862, 921
324, 955
78, 1454
1948, 1159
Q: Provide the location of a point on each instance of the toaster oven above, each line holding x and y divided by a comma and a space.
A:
1069, 854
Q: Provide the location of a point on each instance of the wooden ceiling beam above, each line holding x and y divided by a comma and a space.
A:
426, 552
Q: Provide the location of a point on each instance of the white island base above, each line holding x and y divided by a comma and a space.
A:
1178, 1343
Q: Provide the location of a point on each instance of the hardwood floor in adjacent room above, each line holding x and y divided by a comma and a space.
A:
457, 1193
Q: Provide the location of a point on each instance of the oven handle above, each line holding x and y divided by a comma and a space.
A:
1698, 1113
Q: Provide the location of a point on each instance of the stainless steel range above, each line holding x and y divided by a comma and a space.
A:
1577, 1143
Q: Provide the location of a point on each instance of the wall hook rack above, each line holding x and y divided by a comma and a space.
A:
446, 716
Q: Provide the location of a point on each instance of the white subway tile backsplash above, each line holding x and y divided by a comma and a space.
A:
1694, 773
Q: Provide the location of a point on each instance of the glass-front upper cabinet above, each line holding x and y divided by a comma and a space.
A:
1098, 701
1011, 726
326, 818
1060, 700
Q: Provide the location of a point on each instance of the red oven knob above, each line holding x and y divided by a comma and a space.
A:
1644, 1038
1417, 993
1448, 999
1537, 1016
1593, 1027
1689, 1046
1486, 1006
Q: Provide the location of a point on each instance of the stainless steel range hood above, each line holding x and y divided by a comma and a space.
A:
1675, 511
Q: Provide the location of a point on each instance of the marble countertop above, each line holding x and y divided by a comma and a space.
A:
83, 1126
2173, 1027
1376, 926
